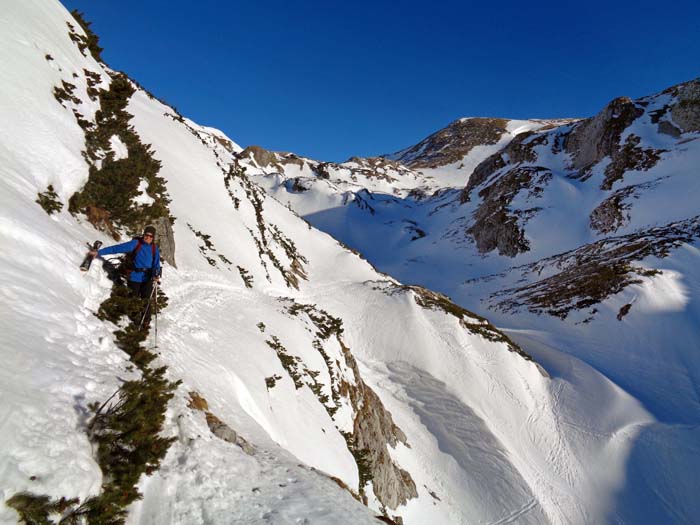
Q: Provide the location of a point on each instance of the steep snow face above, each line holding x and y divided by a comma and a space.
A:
312, 356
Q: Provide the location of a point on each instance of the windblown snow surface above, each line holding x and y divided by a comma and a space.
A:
491, 437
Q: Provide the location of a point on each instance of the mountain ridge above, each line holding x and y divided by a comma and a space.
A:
266, 316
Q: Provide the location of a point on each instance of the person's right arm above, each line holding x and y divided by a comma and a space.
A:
124, 247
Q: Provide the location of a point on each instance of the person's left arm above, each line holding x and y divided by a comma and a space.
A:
124, 247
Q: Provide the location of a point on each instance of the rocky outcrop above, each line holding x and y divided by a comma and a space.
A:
499, 178
452, 143
629, 157
496, 225
373, 429
518, 151
584, 277
686, 110
596, 138
374, 168
609, 215
217, 427
668, 128
262, 157
166, 239
613, 212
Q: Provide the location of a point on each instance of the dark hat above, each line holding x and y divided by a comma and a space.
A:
149, 229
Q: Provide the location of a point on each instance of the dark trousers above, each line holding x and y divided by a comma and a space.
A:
142, 290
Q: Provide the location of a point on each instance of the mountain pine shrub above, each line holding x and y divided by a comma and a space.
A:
49, 200
126, 428
90, 41
114, 183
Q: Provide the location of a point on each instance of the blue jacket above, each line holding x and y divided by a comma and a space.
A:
144, 259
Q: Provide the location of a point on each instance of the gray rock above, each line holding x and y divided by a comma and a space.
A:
222, 431
496, 226
226, 433
595, 138
686, 110
373, 431
166, 240
247, 447
668, 128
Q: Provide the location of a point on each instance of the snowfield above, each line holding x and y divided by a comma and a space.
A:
490, 436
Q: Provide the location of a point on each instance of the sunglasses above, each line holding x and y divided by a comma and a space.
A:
147, 235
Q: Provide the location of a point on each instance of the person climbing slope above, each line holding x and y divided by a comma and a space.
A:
142, 264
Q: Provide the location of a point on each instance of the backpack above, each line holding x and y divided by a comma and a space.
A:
129, 263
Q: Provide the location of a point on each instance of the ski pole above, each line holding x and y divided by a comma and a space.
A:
156, 307
145, 312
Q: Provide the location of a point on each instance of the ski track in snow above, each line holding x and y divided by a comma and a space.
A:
464, 436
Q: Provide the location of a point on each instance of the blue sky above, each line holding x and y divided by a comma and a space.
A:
330, 80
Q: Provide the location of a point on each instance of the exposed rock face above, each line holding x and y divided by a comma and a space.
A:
686, 111
593, 139
627, 158
496, 226
165, 239
373, 430
612, 213
667, 128
452, 143
516, 168
264, 158
374, 167
608, 216
373, 427
519, 150
587, 275
261, 156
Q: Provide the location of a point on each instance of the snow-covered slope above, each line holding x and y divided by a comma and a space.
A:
442, 160
338, 380
451, 154
579, 236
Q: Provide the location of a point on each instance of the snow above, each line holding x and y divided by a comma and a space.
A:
662, 293
650, 357
143, 198
57, 356
489, 434
118, 147
206, 480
